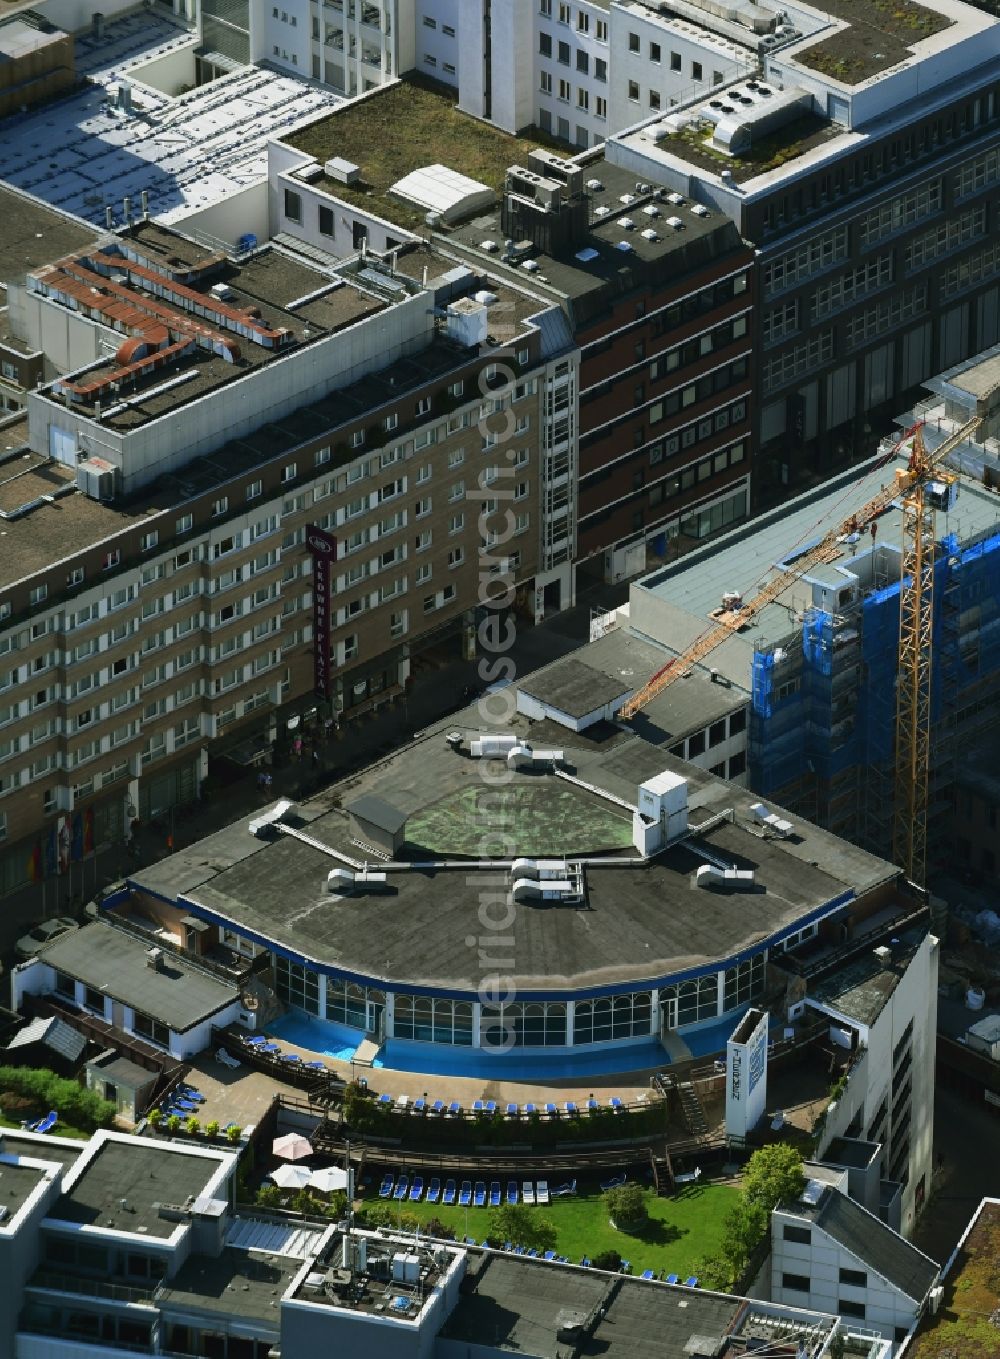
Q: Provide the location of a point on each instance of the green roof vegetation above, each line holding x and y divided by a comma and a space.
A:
402, 127
694, 143
539, 819
967, 1326
881, 34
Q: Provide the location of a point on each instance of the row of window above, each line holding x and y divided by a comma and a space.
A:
564, 14
870, 168
521, 1023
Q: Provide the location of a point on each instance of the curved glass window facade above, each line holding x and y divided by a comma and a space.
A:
347, 1002
613, 1017
527, 1024
696, 999
744, 981
433, 1021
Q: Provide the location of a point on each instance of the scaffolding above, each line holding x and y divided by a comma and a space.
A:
822, 733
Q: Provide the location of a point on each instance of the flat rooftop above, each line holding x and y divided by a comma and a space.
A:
625, 661
961, 1326
400, 128
107, 959
376, 1292
633, 924
686, 593
612, 256
43, 1147
54, 531
261, 294
874, 35
246, 1283
35, 233
860, 988
17, 1184
520, 1306
186, 153
144, 1176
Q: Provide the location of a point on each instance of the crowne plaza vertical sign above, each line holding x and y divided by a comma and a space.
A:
323, 548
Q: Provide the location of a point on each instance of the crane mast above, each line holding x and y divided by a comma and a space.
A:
912, 488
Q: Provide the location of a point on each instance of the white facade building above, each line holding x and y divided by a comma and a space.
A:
830, 1253
887, 1003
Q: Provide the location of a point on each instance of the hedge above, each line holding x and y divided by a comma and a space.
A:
75, 1105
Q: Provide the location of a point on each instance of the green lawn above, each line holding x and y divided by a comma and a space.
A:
60, 1130
680, 1230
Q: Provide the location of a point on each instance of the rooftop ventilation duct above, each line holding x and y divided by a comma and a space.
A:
492, 747
709, 875
774, 823
281, 811
346, 882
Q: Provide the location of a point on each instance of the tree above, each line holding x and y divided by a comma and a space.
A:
514, 1222
269, 1196
626, 1205
743, 1229
608, 1259
772, 1175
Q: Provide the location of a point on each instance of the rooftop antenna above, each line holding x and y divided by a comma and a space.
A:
109, 217
144, 199
127, 208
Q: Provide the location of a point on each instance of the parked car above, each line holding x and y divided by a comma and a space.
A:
39, 935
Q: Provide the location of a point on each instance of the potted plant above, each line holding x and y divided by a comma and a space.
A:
174, 1124
192, 1127
154, 1118
233, 1134
212, 1128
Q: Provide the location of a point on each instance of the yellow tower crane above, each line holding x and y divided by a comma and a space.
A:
921, 489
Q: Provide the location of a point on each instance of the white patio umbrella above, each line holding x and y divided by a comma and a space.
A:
291, 1177
328, 1179
291, 1147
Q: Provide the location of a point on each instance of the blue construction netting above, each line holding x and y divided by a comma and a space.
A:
826, 722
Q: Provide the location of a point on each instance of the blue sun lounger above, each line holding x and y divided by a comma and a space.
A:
626, 1267
512, 1111
615, 1182
419, 1105
465, 1194
401, 1187
385, 1188
479, 1197
437, 1107
552, 1111
416, 1189
616, 1103
454, 1108
385, 1099
316, 1066
673, 1278
495, 1194
570, 1107
592, 1106
478, 1106
290, 1057
47, 1123
433, 1191
648, 1274
692, 1282
449, 1192
512, 1192
529, 1109
491, 1107
549, 1255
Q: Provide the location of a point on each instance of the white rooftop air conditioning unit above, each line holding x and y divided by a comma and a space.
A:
221, 292
530, 266
626, 223
595, 186
343, 171
627, 198
700, 210
649, 234
675, 198
490, 247
676, 223
651, 210
602, 212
